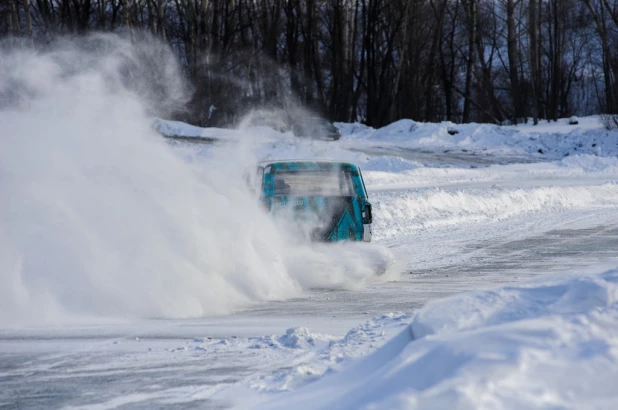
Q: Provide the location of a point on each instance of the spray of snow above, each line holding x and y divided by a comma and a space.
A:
101, 218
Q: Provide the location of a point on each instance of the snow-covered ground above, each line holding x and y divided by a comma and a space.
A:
544, 344
136, 272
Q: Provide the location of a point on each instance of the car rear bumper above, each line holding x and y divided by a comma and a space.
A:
367, 233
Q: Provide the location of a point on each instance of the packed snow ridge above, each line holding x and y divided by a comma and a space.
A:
552, 343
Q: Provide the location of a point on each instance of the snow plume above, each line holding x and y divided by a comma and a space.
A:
100, 217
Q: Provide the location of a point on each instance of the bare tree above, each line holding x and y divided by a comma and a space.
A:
513, 63
472, 23
373, 60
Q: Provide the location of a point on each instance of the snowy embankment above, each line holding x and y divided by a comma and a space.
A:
546, 141
550, 140
430, 209
552, 343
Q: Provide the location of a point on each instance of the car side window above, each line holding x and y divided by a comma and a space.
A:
347, 184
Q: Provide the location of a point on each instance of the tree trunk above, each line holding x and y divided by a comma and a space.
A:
472, 15
513, 55
125, 13
534, 60
28, 21
556, 53
14, 19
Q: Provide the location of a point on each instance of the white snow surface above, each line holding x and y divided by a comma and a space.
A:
106, 225
555, 138
551, 343
548, 140
552, 140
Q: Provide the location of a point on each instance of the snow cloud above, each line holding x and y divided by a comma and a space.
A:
100, 217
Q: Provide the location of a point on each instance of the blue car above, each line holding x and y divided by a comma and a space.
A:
329, 197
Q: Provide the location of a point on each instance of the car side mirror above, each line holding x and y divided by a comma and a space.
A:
367, 217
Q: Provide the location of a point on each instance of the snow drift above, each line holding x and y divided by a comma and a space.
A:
546, 141
551, 343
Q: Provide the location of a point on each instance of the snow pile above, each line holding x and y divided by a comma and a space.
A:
297, 338
591, 164
294, 338
546, 344
551, 141
319, 355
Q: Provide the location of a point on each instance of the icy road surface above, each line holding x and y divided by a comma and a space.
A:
451, 230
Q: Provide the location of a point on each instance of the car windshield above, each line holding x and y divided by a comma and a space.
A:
322, 182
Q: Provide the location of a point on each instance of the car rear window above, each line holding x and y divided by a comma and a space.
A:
319, 182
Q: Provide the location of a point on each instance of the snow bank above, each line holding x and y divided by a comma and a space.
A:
404, 213
591, 164
567, 170
546, 344
547, 140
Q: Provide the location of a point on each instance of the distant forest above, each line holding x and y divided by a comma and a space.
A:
373, 61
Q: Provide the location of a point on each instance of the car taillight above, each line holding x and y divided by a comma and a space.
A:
367, 217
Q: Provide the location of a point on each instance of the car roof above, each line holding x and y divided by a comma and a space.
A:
300, 165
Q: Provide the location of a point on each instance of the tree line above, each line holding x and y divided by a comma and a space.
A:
374, 61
